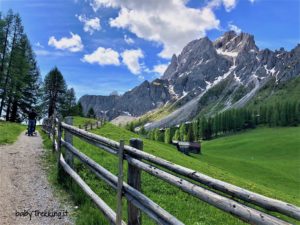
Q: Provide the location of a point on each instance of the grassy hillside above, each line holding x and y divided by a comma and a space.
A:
268, 157
271, 93
10, 132
83, 121
263, 160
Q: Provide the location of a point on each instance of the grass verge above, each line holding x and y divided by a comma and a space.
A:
10, 132
229, 158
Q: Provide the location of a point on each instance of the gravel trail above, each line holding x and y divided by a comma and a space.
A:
26, 196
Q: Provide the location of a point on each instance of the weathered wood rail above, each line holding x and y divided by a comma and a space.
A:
91, 126
220, 194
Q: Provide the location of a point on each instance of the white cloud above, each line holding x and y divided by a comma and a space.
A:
43, 52
228, 4
97, 4
90, 25
235, 28
170, 23
72, 44
131, 59
128, 40
102, 56
252, 1
160, 69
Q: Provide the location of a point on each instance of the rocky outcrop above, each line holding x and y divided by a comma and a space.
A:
135, 102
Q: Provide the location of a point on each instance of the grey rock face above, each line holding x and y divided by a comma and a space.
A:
138, 101
233, 62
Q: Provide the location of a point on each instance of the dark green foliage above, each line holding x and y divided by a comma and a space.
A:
91, 113
69, 107
54, 91
182, 132
130, 126
79, 109
168, 138
19, 73
176, 136
214, 93
158, 135
190, 133
142, 131
239, 93
283, 113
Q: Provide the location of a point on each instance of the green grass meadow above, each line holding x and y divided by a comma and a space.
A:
77, 120
9, 132
264, 160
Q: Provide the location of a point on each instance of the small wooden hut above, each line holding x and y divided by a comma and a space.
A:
188, 147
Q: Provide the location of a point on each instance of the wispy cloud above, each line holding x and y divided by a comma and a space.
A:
131, 59
233, 27
128, 40
102, 56
159, 69
39, 45
72, 44
90, 25
43, 52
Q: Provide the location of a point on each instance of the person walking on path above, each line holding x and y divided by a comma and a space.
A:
31, 122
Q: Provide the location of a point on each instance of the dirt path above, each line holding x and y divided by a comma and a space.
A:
24, 187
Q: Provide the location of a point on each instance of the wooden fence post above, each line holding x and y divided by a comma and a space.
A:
134, 180
53, 130
120, 184
69, 139
60, 171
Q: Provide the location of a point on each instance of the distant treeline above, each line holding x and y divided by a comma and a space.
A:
284, 113
21, 87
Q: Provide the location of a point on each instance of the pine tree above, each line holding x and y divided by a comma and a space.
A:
190, 134
69, 104
19, 74
143, 131
54, 91
8, 84
79, 110
182, 131
195, 130
176, 135
168, 139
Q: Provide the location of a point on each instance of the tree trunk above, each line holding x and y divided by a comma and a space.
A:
8, 72
14, 112
4, 51
7, 117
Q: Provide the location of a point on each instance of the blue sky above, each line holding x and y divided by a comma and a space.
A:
106, 45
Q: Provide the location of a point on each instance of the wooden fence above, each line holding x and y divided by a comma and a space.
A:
91, 126
220, 194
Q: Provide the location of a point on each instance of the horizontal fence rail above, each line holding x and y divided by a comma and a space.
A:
235, 191
220, 195
161, 214
107, 211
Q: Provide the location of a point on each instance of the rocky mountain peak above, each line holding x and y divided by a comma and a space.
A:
194, 52
233, 42
171, 68
229, 70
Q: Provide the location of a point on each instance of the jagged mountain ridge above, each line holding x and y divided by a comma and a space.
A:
233, 61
